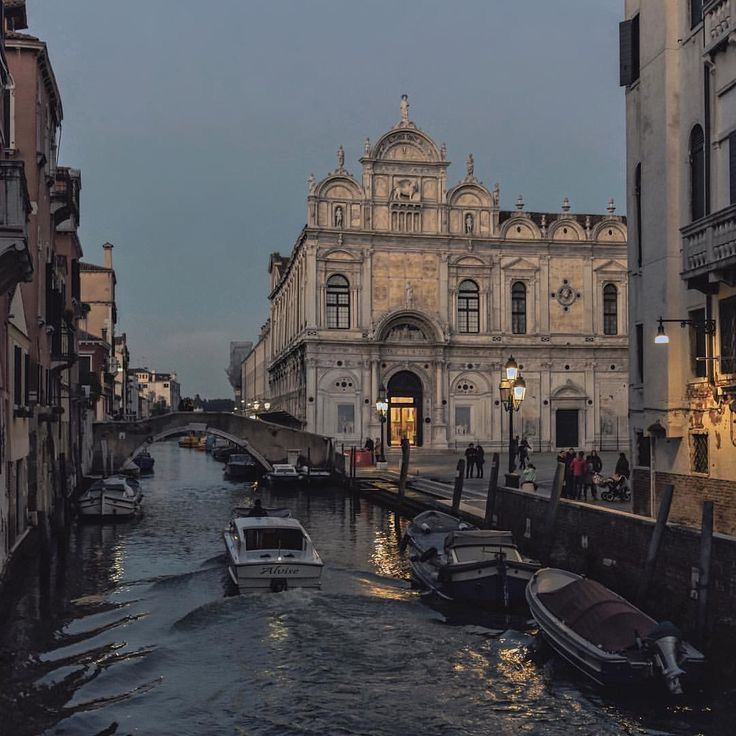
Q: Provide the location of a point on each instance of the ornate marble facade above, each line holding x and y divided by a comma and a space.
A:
398, 279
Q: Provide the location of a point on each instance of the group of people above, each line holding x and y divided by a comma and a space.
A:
475, 458
581, 471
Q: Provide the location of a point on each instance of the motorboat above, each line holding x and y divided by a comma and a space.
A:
283, 474
242, 467
459, 562
314, 476
144, 461
271, 553
190, 441
281, 512
201, 444
606, 637
222, 454
112, 498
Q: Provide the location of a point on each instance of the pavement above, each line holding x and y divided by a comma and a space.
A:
439, 467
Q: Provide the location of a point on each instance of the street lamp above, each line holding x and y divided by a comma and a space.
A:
382, 409
706, 326
512, 389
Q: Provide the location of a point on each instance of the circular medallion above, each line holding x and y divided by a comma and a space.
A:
565, 295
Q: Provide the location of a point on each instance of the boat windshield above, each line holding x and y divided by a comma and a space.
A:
274, 539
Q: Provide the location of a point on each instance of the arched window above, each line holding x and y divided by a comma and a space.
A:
610, 310
697, 173
518, 308
338, 303
468, 307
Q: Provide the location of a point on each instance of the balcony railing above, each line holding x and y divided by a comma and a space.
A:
15, 260
709, 247
63, 344
718, 18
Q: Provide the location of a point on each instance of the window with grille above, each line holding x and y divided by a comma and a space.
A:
727, 325
697, 173
338, 303
468, 307
699, 455
610, 310
518, 308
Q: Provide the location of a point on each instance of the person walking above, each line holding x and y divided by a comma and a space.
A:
524, 448
480, 458
578, 466
596, 466
622, 466
469, 460
514, 450
529, 478
569, 477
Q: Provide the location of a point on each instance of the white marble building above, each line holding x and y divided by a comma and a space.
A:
401, 280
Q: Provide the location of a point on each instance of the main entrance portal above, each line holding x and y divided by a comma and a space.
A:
404, 409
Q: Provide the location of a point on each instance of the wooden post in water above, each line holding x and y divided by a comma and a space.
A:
404, 472
457, 492
309, 467
706, 547
492, 490
654, 542
554, 505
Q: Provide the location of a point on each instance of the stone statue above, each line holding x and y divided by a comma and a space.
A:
469, 223
367, 147
470, 166
340, 158
338, 216
443, 151
496, 194
409, 295
405, 109
312, 183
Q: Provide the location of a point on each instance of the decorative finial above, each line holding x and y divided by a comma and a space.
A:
367, 147
520, 203
443, 151
565, 205
340, 158
611, 206
404, 109
543, 227
470, 166
311, 183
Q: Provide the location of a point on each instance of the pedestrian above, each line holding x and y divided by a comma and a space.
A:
622, 466
514, 450
529, 478
480, 458
524, 448
578, 466
257, 509
569, 477
469, 460
378, 448
588, 481
562, 460
371, 448
597, 465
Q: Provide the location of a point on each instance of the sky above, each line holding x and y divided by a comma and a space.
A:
196, 125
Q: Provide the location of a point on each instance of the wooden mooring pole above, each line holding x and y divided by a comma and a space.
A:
654, 542
706, 547
554, 505
492, 490
457, 492
404, 472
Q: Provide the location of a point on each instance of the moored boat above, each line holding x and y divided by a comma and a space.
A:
606, 637
314, 476
460, 562
111, 498
242, 467
282, 474
144, 461
271, 553
190, 441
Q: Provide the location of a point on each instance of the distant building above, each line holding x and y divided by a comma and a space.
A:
678, 65
162, 390
254, 371
238, 353
121, 402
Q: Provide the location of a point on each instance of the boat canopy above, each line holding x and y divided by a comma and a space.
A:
479, 537
598, 615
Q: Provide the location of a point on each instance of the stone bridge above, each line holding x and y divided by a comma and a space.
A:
117, 442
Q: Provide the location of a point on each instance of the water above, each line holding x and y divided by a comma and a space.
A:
135, 630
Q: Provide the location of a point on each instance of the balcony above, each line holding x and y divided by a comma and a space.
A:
65, 197
709, 251
63, 352
719, 22
15, 260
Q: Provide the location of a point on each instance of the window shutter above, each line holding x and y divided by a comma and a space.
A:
732, 166
624, 48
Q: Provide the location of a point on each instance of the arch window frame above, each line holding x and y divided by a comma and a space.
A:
610, 309
337, 302
468, 307
518, 307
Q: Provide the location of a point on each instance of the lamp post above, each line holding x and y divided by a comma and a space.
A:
512, 389
382, 408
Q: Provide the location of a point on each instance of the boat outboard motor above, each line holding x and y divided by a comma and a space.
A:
664, 640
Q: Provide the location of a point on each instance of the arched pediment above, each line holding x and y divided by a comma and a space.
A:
339, 381
406, 144
520, 228
566, 229
339, 254
568, 390
610, 231
407, 325
469, 195
468, 261
339, 186
476, 384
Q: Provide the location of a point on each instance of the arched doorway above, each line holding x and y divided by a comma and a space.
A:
404, 409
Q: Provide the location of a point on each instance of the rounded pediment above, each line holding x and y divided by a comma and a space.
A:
339, 186
611, 231
566, 229
407, 326
407, 144
469, 195
520, 227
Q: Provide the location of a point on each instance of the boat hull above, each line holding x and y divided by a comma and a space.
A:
109, 507
238, 472
275, 576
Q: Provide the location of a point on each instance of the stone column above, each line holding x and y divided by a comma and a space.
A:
311, 290
311, 381
439, 413
593, 299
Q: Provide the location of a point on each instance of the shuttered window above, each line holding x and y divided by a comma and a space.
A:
628, 39
17, 376
697, 173
732, 166
696, 12
727, 328
637, 195
697, 344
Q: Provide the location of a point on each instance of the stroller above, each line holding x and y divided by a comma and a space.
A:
615, 488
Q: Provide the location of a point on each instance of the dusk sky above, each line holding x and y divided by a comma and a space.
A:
197, 124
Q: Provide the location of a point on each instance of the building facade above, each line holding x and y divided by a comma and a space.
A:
678, 64
161, 391
401, 280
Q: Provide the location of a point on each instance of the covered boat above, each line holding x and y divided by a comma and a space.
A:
271, 553
283, 474
460, 562
144, 461
242, 467
111, 498
605, 636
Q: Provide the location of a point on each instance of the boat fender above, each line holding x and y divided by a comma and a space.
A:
404, 541
428, 554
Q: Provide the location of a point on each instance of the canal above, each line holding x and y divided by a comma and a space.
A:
134, 629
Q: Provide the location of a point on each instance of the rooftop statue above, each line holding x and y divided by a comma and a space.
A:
404, 109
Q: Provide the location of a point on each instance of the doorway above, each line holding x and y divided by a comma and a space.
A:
566, 427
404, 409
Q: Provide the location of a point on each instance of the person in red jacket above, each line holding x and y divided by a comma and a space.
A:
579, 468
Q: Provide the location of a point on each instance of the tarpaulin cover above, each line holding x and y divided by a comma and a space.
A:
478, 537
598, 615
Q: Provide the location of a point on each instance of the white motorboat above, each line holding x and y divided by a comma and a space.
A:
283, 474
114, 498
271, 553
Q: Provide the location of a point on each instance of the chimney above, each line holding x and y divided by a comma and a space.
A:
108, 255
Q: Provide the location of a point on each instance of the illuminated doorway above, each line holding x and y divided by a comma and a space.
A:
404, 409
